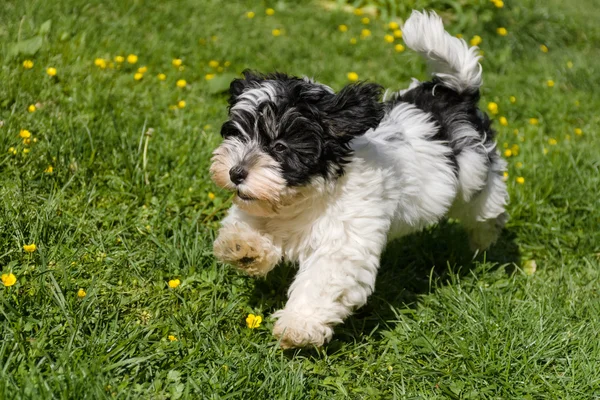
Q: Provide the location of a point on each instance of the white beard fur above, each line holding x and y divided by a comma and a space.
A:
398, 181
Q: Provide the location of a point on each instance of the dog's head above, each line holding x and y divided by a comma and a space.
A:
283, 132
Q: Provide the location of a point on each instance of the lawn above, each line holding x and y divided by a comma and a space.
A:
104, 167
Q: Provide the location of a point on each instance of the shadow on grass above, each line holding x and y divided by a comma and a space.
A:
408, 268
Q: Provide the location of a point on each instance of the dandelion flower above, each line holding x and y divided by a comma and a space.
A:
476, 40
343, 28
493, 107
353, 41
399, 48
552, 142
119, 59
550, 83
26, 151
276, 32
213, 63
499, 3
138, 76
211, 196
520, 180
25, 134
502, 31
27, 64
49, 169
27, 142
30, 248
12, 150
365, 33
269, 11
507, 153
398, 33
578, 131
142, 70
503, 121
512, 99
172, 338
515, 149
358, 11
51, 71
181, 83
208, 77
100, 63
9, 279
569, 64
253, 321
519, 164
31, 108
352, 76
393, 25
81, 293
173, 283
132, 59
161, 77
177, 62
365, 21
388, 38
534, 121
544, 48
181, 104
505, 176
250, 14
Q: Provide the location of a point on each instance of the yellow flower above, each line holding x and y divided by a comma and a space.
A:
503, 121
365, 20
9, 279
119, 59
552, 142
208, 77
31, 108
132, 59
138, 76
578, 131
516, 132
211, 196
515, 149
358, 11
142, 70
181, 104
502, 31
353, 41
352, 76
544, 48
161, 77
507, 153
51, 71
276, 32
398, 33
172, 107
25, 134
100, 63
399, 48
269, 11
25, 151
365, 33
393, 25
520, 180
505, 176
181, 83
213, 63
519, 164
172, 338
493, 107
534, 121
343, 28
30, 248
476, 40
253, 321
569, 64
177, 62
250, 14
81, 293
388, 38
512, 99
12, 150
27, 64
49, 170
173, 283
26, 142
498, 3
550, 83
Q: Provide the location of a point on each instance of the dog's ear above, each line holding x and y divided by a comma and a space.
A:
238, 86
354, 110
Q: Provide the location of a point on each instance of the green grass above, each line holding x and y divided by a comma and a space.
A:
440, 325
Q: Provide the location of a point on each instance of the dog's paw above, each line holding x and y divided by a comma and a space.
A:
294, 330
246, 249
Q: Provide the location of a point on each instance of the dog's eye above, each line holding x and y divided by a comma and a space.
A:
279, 147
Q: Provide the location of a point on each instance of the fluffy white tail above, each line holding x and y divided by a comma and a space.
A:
450, 58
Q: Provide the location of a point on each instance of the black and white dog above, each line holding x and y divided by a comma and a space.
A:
326, 179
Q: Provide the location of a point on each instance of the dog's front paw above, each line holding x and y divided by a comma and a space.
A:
246, 249
295, 330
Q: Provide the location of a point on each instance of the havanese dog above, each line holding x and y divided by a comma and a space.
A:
326, 179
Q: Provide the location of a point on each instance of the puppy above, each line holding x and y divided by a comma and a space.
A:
326, 179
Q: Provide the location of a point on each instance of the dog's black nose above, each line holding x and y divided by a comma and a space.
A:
237, 174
